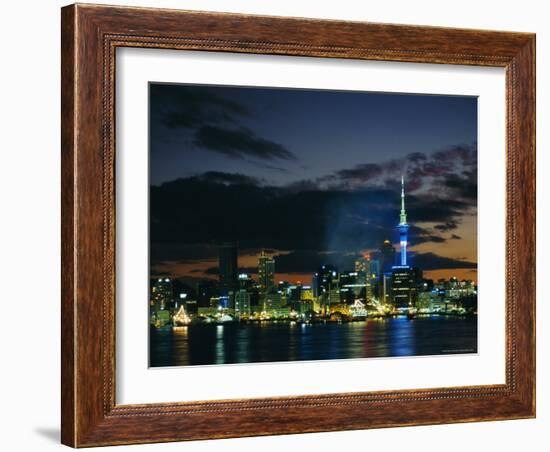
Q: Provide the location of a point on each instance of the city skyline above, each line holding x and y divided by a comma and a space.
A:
382, 284
188, 325
292, 224
256, 173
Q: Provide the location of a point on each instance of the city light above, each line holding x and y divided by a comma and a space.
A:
382, 284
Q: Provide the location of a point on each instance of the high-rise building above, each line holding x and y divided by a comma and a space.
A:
368, 274
245, 281
161, 294
306, 294
387, 257
315, 284
205, 291
361, 264
334, 296
349, 279
228, 267
385, 288
294, 292
283, 285
404, 280
354, 285
306, 303
403, 227
326, 279
403, 286
242, 303
362, 269
266, 272
272, 300
375, 269
372, 280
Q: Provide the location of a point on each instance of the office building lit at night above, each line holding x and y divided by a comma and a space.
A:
228, 265
266, 271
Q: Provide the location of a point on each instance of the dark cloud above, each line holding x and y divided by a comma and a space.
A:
466, 154
261, 164
422, 235
210, 122
341, 210
309, 261
175, 119
449, 172
229, 178
432, 261
158, 273
191, 106
240, 143
461, 186
175, 250
417, 157
314, 218
215, 207
448, 226
303, 185
435, 208
362, 173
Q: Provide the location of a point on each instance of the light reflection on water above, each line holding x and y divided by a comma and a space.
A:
220, 352
266, 342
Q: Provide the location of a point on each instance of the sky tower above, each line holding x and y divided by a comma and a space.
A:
404, 278
403, 227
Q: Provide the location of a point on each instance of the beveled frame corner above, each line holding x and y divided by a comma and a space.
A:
90, 36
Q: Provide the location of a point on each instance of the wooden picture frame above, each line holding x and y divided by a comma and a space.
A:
90, 36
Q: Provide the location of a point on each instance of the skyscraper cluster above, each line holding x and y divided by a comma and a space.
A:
381, 283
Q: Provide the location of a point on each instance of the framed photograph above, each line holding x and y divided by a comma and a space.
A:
281, 225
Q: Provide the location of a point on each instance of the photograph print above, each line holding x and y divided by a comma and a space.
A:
299, 224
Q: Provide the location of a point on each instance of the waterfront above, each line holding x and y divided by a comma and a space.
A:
234, 342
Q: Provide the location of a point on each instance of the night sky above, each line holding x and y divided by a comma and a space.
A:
311, 175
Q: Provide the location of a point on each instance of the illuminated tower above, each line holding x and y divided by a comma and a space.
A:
403, 227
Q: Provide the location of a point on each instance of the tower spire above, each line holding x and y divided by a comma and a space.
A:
403, 214
403, 227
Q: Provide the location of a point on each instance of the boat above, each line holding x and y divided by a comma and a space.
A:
225, 318
181, 318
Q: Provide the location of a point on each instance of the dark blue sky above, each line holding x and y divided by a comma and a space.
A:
312, 175
324, 131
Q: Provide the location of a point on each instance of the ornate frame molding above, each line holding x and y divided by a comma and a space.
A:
90, 37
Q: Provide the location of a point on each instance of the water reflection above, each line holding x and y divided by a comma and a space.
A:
220, 355
286, 341
402, 337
